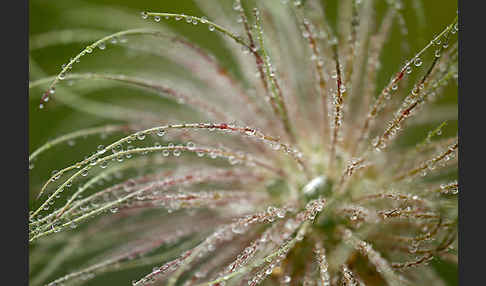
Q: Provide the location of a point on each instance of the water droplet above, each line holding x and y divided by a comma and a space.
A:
250, 132
417, 62
104, 164
160, 132
117, 148
211, 28
140, 135
89, 50
191, 145
157, 18
177, 152
101, 149
102, 46
144, 15
129, 155
54, 173
415, 91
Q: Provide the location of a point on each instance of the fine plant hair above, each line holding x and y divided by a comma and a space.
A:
295, 168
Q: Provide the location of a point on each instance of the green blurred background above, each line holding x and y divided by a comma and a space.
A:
423, 18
